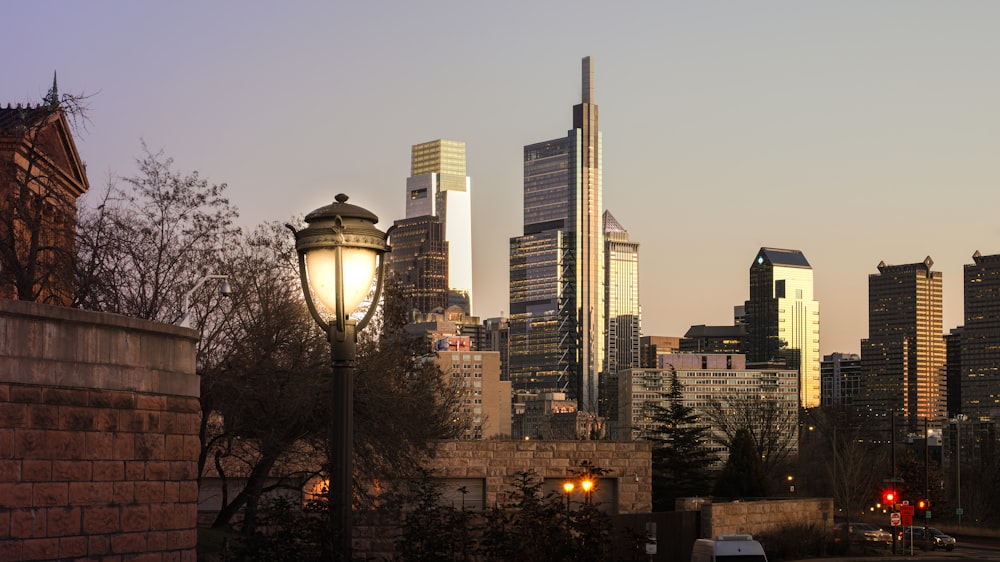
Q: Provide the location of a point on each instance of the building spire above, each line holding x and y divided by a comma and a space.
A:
52, 98
588, 81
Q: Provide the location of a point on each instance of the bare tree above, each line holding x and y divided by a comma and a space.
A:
772, 425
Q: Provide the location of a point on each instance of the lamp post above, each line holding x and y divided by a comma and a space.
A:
588, 486
341, 256
568, 489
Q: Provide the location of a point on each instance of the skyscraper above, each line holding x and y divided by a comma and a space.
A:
419, 263
556, 267
438, 186
980, 339
903, 357
782, 317
622, 315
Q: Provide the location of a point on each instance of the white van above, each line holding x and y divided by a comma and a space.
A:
728, 548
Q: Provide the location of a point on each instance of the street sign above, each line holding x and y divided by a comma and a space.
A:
928, 514
895, 519
959, 511
906, 513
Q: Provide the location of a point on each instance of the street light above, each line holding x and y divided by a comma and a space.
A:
341, 256
224, 290
568, 488
588, 485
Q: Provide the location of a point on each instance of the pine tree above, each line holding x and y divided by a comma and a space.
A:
680, 456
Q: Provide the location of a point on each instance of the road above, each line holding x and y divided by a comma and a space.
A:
969, 548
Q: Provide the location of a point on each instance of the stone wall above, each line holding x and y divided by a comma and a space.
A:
755, 517
99, 418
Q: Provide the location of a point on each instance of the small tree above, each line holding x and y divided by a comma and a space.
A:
771, 424
743, 474
681, 457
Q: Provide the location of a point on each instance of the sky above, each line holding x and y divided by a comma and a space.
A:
856, 132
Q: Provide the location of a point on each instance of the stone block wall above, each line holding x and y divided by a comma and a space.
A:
99, 418
755, 517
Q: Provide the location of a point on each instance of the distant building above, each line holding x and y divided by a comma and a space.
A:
651, 347
498, 339
438, 186
703, 377
903, 357
980, 339
713, 339
622, 315
556, 265
782, 317
553, 416
41, 178
449, 322
419, 263
484, 400
953, 371
840, 379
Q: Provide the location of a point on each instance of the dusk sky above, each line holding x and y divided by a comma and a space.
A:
854, 131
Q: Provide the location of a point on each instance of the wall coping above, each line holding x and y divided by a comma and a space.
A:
65, 347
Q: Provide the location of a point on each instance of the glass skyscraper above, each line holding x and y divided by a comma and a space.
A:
903, 358
782, 318
557, 265
980, 339
438, 186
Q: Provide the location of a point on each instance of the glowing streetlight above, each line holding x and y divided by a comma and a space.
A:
341, 256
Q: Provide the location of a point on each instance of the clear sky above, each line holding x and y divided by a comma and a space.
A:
854, 131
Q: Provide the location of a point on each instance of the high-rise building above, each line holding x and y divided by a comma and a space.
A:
498, 339
622, 315
556, 266
438, 186
980, 339
782, 317
419, 263
840, 379
903, 358
482, 399
713, 339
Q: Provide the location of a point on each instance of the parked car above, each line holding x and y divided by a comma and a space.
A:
864, 534
920, 536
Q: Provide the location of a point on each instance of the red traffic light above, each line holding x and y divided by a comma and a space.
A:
921, 504
888, 497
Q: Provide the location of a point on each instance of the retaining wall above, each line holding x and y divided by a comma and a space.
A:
99, 418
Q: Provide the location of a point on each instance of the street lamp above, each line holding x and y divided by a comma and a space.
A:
224, 290
588, 486
568, 488
341, 256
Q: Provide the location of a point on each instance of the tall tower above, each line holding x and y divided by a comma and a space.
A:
980, 339
557, 266
782, 317
903, 358
419, 262
621, 298
438, 187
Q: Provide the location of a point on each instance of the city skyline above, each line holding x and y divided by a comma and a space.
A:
858, 134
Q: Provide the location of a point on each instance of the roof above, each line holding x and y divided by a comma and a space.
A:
13, 116
702, 331
778, 256
611, 224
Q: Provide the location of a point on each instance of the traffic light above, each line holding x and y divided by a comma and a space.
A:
921, 504
888, 498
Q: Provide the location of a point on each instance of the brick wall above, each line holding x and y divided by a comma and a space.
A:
755, 517
99, 419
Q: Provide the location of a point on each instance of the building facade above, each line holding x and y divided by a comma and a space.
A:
703, 378
782, 317
41, 178
713, 339
980, 339
903, 358
651, 347
419, 263
483, 399
556, 266
840, 379
498, 339
622, 315
438, 186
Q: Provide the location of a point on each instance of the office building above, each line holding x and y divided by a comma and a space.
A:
903, 358
622, 315
980, 339
556, 266
713, 339
782, 317
703, 377
651, 347
438, 186
483, 400
497, 338
418, 262
840, 379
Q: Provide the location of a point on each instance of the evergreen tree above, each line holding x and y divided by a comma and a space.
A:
743, 475
680, 456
